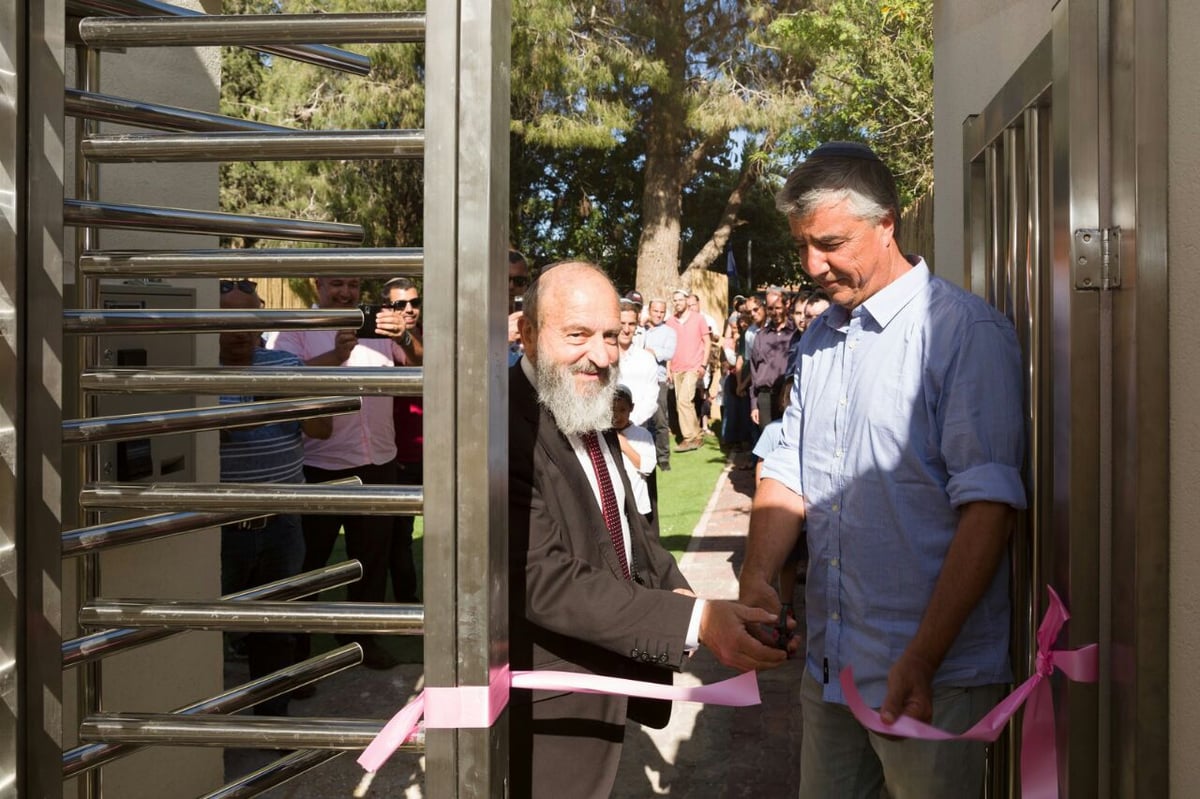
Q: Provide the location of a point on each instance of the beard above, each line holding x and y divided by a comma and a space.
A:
575, 413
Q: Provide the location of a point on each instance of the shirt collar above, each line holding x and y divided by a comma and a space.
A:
883, 305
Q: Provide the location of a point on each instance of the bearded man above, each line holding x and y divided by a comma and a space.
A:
590, 591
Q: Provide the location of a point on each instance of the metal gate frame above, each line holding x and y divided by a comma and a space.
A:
1069, 157
465, 500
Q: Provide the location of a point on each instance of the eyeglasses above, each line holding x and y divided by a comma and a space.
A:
244, 286
399, 305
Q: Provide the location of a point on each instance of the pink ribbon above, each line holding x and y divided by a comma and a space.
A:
480, 706
1039, 755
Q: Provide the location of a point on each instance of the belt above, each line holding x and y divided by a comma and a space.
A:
252, 525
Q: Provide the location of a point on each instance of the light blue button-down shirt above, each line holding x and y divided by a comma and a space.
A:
904, 409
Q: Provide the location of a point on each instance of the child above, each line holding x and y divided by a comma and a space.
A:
781, 396
637, 452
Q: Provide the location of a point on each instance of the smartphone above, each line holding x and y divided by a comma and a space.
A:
370, 313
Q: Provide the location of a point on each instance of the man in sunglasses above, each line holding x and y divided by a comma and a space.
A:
405, 299
518, 282
363, 445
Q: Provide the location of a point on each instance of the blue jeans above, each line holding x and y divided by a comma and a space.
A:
840, 758
251, 558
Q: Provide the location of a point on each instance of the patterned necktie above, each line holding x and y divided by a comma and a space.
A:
608, 499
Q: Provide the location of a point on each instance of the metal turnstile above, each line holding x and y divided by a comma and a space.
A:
55, 434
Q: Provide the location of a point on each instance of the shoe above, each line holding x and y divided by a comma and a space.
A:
688, 446
377, 658
664, 467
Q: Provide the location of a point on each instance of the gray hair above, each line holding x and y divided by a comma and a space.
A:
823, 179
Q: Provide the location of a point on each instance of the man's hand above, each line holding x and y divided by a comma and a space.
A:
343, 344
756, 593
910, 690
754, 413
391, 324
723, 629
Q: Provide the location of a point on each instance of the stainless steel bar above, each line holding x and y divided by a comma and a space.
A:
317, 498
276, 262
184, 220
258, 732
147, 528
296, 145
95, 322
274, 774
192, 420
142, 114
357, 381
89, 756
108, 642
243, 30
317, 54
262, 616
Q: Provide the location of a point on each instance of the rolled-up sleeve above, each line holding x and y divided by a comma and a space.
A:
982, 418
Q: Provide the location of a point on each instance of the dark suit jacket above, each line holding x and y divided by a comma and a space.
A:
571, 609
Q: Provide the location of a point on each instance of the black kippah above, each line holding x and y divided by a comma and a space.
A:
844, 149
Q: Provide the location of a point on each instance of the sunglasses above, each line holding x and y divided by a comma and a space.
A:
399, 305
518, 280
244, 286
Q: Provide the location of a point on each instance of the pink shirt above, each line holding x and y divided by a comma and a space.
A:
366, 437
691, 344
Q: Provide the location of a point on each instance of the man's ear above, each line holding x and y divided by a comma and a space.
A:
528, 332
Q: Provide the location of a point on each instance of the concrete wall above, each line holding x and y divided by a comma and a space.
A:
1183, 97
977, 45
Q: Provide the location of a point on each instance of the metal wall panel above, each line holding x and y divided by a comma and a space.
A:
41, 354
466, 231
1140, 408
12, 381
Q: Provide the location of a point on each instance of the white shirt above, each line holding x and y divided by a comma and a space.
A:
638, 370
642, 442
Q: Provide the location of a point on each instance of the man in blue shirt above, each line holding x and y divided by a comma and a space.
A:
903, 448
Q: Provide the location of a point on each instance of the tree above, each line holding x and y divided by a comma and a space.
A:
872, 81
384, 196
681, 77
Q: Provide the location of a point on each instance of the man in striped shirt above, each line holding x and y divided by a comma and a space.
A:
262, 550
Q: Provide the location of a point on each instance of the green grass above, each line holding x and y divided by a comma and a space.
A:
683, 493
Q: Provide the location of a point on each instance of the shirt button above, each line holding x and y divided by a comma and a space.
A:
835, 562
837, 454
835, 616
842, 401
835, 508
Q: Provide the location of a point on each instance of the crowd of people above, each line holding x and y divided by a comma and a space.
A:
884, 407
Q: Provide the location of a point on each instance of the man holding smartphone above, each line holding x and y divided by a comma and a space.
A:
362, 445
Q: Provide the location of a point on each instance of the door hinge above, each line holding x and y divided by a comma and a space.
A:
1096, 257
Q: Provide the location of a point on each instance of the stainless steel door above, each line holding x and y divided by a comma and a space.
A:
1065, 200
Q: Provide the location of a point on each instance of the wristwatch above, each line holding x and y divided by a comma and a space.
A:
406, 339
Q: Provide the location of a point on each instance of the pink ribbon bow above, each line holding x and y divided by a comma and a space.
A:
1039, 756
480, 706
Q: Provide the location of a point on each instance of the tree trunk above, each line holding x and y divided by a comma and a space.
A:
666, 168
731, 216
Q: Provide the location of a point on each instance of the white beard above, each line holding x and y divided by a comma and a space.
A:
575, 413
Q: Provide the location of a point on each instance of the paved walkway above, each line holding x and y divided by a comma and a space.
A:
711, 752
719, 752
